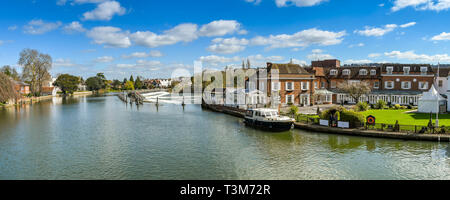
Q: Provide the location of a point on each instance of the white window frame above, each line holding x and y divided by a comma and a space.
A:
287, 99
303, 84
409, 85
333, 72
363, 72
316, 85
424, 70
425, 84
333, 86
290, 88
346, 72
276, 86
376, 85
373, 72
386, 85
406, 70
389, 70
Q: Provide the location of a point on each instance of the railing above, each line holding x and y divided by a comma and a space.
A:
409, 129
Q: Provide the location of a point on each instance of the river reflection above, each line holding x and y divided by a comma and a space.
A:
104, 138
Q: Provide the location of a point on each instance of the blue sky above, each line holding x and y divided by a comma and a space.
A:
152, 38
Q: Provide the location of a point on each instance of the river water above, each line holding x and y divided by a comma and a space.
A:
103, 138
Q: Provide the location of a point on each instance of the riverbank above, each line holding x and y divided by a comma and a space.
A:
32, 100
351, 132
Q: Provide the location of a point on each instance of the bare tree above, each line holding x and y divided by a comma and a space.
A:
355, 90
36, 67
7, 90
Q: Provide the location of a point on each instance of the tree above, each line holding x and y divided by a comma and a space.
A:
138, 83
94, 83
355, 90
124, 81
36, 67
116, 83
11, 72
129, 85
102, 77
7, 90
248, 64
67, 83
131, 78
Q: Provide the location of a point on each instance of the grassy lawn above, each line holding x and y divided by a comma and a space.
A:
391, 116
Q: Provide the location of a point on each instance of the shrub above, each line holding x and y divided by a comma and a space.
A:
362, 106
354, 118
397, 107
380, 104
293, 111
327, 113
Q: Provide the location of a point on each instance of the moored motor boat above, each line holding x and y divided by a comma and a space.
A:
268, 119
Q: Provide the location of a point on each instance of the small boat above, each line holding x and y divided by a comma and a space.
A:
268, 119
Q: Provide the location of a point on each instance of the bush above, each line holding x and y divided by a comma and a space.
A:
354, 118
381, 104
362, 106
397, 107
293, 111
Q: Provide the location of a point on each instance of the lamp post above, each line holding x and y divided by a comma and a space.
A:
438, 103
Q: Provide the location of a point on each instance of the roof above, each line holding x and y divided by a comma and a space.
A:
386, 92
413, 67
432, 95
354, 72
443, 71
288, 69
21, 83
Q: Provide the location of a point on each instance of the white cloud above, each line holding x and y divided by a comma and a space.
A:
37, 27
256, 2
378, 32
214, 60
357, 45
60, 62
436, 5
411, 55
298, 3
374, 55
442, 36
74, 27
141, 64
153, 53
104, 59
300, 39
110, 36
180, 33
228, 45
12, 28
105, 11
221, 28
317, 54
351, 61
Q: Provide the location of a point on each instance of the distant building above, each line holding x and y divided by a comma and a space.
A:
326, 63
22, 88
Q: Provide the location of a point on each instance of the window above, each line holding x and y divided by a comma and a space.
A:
424, 70
363, 72
389, 85
333, 84
423, 85
289, 86
305, 86
316, 85
276, 86
333, 72
406, 70
346, 72
406, 85
373, 72
389, 70
261, 86
289, 99
441, 83
322, 84
376, 85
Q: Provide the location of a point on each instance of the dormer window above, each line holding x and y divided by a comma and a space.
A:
346, 72
389, 70
406, 70
373, 72
333, 72
363, 72
424, 70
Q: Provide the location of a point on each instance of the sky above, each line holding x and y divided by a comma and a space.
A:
154, 38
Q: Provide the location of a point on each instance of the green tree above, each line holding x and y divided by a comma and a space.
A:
138, 83
11, 72
67, 83
129, 85
116, 83
94, 84
36, 67
7, 90
131, 78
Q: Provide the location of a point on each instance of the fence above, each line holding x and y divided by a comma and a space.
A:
409, 129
